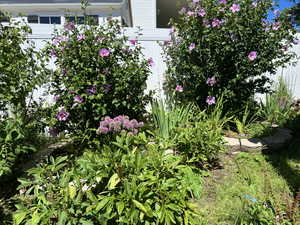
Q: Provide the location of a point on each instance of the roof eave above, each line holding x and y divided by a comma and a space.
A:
57, 6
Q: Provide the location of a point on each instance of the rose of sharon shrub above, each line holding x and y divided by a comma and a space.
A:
98, 72
225, 46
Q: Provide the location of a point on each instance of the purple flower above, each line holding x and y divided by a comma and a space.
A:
252, 55
190, 13
216, 22
179, 88
222, 1
62, 115
71, 92
107, 88
69, 26
192, 46
211, 100
235, 8
104, 52
133, 42
53, 131
53, 53
254, 4
201, 12
102, 130
182, 11
211, 81
99, 38
196, 1
80, 37
77, 98
151, 62
56, 98
92, 90
276, 26
296, 41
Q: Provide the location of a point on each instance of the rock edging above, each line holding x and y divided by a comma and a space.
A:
275, 142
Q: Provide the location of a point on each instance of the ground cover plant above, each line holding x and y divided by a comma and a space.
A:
125, 183
225, 47
99, 72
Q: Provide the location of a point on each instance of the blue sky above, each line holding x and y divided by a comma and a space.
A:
284, 4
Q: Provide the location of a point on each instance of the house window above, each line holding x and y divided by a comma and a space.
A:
44, 19
93, 19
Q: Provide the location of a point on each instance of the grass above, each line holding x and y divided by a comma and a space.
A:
272, 180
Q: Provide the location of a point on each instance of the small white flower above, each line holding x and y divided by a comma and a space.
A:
22, 191
85, 187
82, 181
72, 183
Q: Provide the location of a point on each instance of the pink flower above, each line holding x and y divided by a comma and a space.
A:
53, 53
201, 12
211, 100
276, 26
211, 81
254, 4
190, 13
192, 46
235, 8
151, 62
133, 42
77, 98
104, 52
179, 88
216, 22
69, 26
252, 55
62, 115
182, 11
99, 38
71, 92
81, 37
56, 98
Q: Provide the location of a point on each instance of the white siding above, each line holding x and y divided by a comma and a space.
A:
144, 13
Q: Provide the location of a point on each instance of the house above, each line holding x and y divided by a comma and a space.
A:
151, 15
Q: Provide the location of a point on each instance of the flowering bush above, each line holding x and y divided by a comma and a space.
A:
119, 124
98, 72
225, 46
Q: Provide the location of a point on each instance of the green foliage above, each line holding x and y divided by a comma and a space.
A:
225, 48
98, 73
131, 183
167, 120
277, 107
20, 68
13, 138
200, 142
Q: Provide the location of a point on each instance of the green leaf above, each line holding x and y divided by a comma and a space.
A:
113, 181
19, 217
35, 218
141, 207
120, 207
72, 191
62, 218
102, 203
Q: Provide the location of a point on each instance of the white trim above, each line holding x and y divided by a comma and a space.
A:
158, 34
57, 6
